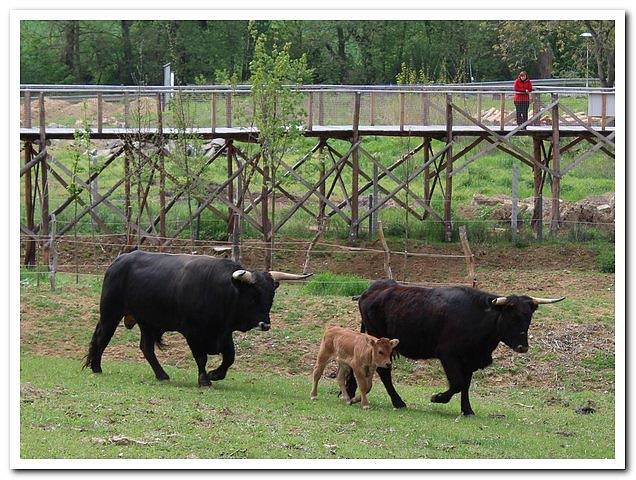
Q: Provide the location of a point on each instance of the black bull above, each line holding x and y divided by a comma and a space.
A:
460, 326
203, 298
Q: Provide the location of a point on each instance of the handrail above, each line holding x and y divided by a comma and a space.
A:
238, 89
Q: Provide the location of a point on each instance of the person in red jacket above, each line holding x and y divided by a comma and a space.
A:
523, 86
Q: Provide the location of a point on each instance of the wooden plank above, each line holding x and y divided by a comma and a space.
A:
577, 161
230, 187
596, 134
427, 172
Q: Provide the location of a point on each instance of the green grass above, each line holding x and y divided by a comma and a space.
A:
335, 284
70, 413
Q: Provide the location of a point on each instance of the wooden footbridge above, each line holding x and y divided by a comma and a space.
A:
445, 129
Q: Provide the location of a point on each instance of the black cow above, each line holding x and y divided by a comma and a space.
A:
203, 298
460, 326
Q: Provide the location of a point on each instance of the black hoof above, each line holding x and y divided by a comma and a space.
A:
399, 404
216, 375
440, 398
469, 413
97, 370
163, 376
204, 381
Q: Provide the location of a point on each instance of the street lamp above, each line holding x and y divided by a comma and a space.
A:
587, 58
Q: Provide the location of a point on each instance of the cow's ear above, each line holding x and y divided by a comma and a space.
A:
394, 342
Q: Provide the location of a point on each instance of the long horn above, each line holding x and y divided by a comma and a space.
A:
539, 301
500, 301
278, 276
243, 276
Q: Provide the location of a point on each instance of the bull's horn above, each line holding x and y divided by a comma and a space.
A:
243, 276
278, 276
539, 301
500, 301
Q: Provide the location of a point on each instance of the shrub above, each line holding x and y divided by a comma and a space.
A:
335, 284
605, 259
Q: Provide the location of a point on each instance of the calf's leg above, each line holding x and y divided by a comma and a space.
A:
385, 376
364, 388
321, 363
228, 353
147, 346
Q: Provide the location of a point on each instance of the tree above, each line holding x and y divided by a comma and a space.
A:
603, 37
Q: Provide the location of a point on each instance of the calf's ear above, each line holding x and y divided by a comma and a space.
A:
394, 342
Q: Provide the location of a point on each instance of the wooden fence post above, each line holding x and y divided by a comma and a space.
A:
374, 201
427, 172
502, 107
468, 254
230, 187
53, 254
44, 191
448, 226
162, 174
100, 113
479, 106
213, 112
321, 108
355, 173
425, 108
537, 212
372, 122
402, 101
228, 109
265, 222
310, 112
29, 251
126, 110
27, 109
556, 168
536, 107
387, 252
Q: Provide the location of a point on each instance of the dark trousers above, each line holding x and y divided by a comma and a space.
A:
522, 111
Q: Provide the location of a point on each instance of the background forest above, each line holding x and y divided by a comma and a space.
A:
338, 52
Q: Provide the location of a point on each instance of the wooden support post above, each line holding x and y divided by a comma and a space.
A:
427, 171
29, 250
515, 202
468, 254
402, 101
230, 187
127, 204
100, 113
387, 252
310, 112
555, 217
228, 109
323, 187
236, 238
502, 108
372, 122
355, 173
27, 116
126, 110
448, 226
537, 212
162, 173
374, 201
426, 107
52, 254
213, 112
44, 190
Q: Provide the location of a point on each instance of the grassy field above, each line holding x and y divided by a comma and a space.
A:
525, 404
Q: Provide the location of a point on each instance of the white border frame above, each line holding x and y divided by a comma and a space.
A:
619, 462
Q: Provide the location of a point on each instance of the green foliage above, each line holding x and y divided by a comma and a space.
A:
335, 284
605, 258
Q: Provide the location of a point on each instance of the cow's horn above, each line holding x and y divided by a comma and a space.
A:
500, 301
243, 276
278, 276
539, 301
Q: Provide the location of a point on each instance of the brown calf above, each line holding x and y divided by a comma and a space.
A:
354, 351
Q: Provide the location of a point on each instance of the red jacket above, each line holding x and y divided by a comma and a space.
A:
521, 90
